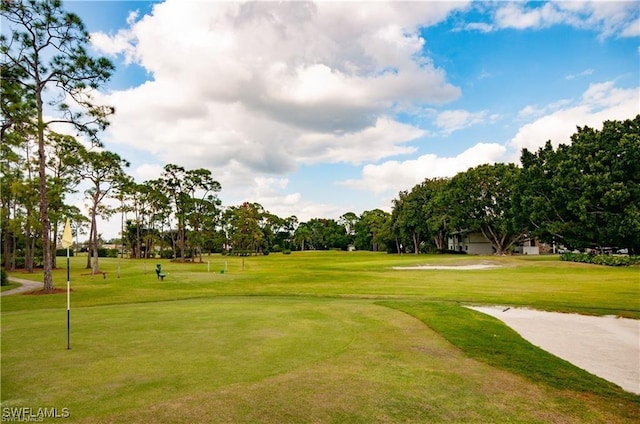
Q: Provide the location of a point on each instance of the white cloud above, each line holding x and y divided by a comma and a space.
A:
632, 29
600, 102
452, 120
530, 111
609, 18
263, 87
479, 26
271, 194
382, 140
584, 73
147, 172
393, 176
518, 16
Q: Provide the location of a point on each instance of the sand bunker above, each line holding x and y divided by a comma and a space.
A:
456, 267
608, 347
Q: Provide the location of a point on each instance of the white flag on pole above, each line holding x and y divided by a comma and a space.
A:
67, 237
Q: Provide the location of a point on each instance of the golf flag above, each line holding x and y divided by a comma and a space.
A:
67, 242
67, 237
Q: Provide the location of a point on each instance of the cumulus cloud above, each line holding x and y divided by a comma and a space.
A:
452, 120
600, 102
393, 176
620, 19
267, 86
271, 193
252, 91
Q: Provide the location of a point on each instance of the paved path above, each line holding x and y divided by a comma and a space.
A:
26, 287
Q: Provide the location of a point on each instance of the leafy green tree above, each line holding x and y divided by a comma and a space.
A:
181, 187
25, 191
419, 217
326, 234
47, 49
104, 170
349, 221
64, 157
244, 225
481, 199
17, 112
11, 175
585, 194
409, 221
373, 231
302, 236
437, 211
273, 228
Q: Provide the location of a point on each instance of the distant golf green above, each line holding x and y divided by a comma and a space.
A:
308, 337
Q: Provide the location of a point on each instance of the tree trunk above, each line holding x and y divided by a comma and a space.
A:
6, 248
32, 253
28, 246
7, 238
54, 263
438, 239
416, 243
95, 268
44, 201
13, 253
90, 246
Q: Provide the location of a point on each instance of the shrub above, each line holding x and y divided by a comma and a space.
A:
3, 278
286, 252
63, 252
166, 254
609, 260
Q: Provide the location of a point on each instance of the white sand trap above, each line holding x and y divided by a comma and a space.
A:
458, 267
608, 347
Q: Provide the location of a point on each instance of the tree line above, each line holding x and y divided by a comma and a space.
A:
584, 194
581, 195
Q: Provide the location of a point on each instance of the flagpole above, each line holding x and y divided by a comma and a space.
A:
68, 305
67, 242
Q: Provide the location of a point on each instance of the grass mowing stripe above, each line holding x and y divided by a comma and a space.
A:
489, 340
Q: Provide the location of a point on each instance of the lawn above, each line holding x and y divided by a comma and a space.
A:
307, 337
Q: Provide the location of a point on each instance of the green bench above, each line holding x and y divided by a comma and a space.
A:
159, 273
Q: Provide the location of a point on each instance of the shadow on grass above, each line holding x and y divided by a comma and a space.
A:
487, 339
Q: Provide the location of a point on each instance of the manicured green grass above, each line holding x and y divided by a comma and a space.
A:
308, 337
504, 348
9, 286
544, 282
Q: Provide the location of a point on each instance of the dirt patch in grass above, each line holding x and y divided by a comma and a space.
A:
42, 291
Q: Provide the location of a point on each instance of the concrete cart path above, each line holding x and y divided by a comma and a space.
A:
26, 286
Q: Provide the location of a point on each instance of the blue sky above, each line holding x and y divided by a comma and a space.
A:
318, 109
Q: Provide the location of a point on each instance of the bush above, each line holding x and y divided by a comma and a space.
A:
286, 252
608, 260
166, 254
63, 252
3, 278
